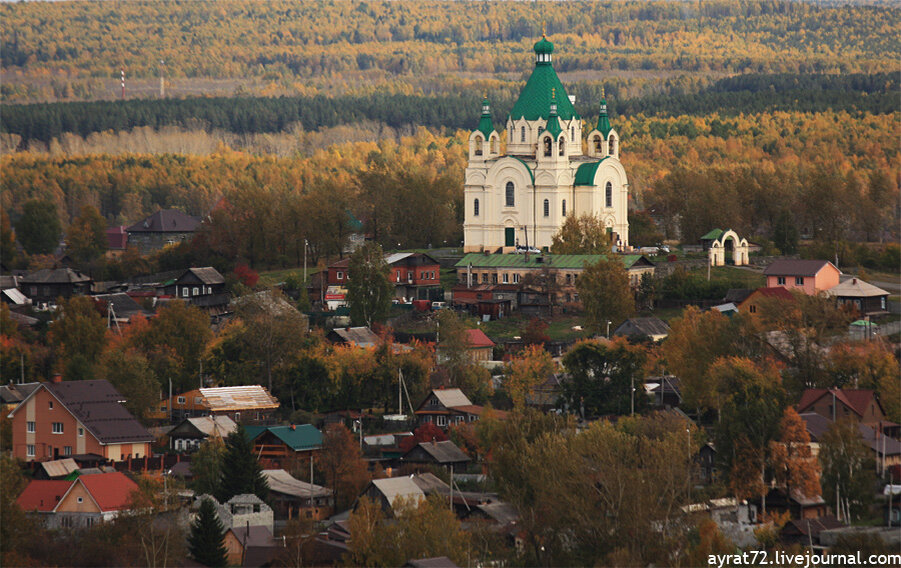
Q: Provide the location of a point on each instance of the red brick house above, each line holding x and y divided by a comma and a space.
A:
60, 419
478, 345
808, 276
861, 405
412, 274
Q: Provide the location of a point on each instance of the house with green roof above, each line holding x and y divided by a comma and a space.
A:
522, 194
284, 446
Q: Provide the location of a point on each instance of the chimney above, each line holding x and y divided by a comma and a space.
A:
293, 427
56, 378
854, 281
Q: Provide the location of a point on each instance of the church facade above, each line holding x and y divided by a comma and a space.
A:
523, 196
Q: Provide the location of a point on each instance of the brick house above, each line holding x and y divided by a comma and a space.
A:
478, 345
415, 275
76, 417
860, 405
808, 276
84, 502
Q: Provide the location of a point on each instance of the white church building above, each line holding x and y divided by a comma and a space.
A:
543, 175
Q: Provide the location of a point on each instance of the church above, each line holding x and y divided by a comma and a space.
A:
524, 195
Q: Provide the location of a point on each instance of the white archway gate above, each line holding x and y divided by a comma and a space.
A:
717, 251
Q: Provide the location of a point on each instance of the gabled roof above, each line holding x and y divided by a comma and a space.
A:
451, 397
59, 468
124, 306
394, 487
817, 425
650, 326
54, 276
14, 394
357, 336
476, 338
774, 292
298, 437
256, 535
98, 407
111, 491
280, 481
797, 267
220, 426
250, 397
16, 297
712, 235
855, 288
856, 399
207, 275
166, 221
43, 495
442, 452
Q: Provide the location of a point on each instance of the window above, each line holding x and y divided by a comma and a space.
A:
572, 132
50, 404
540, 130
180, 400
339, 275
57, 427
612, 145
67, 450
29, 450
547, 208
597, 144
494, 279
508, 194
547, 146
511, 133
780, 280
752, 308
397, 275
569, 279
563, 209
442, 420
484, 278
478, 146
34, 290
195, 291
184, 291
81, 430
516, 278
475, 208
29, 427
562, 149
80, 499
799, 280
522, 134
506, 278
608, 191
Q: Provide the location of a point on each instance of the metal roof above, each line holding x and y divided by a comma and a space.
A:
442, 452
572, 261
534, 100
59, 468
220, 426
54, 276
395, 487
251, 397
855, 288
283, 482
451, 397
797, 267
166, 221
298, 437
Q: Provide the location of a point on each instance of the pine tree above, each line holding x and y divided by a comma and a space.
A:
241, 472
207, 539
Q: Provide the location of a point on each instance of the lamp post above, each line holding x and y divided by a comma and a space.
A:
608, 329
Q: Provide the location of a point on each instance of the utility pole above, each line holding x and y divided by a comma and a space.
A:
123, 84
162, 83
305, 261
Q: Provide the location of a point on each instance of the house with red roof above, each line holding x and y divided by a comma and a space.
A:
116, 241
478, 345
752, 303
808, 276
84, 502
860, 405
65, 418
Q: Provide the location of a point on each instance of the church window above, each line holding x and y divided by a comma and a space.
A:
547, 208
522, 134
612, 145
509, 194
511, 133
562, 147
572, 132
478, 146
540, 130
495, 145
563, 209
609, 194
597, 144
547, 146
475, 208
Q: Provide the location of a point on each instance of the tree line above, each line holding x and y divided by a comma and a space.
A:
757, 93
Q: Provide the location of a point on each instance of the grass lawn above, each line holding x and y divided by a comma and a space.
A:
559, 328
734, 275
273, 277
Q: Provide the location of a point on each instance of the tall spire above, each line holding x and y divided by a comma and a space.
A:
603, 120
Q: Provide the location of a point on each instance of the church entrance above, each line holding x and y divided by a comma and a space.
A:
510, 237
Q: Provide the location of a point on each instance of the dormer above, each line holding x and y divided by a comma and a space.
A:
603, 141
484, 142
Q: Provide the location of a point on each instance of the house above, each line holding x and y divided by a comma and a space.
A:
191, 432
48, 284
808, 276
798, 505
664, 390
416, 276
165, 227
76, 417
886, 449
292, 498
200, 287
119, 308
652, 327
184, 405
479, 346
84, 502
755, 300
355, 336
867, 299
250, 546
546, 395
444, 407
116, 241
495, 301
250, 404
443, 454
284, 446
861, 405
243, 511
387, 492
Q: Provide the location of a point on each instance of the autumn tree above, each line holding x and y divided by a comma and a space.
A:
585, 234
527, 371
206, 466
605, 293
78, 336
207, 539
867, 365
602, 376
39, 228
341, 463
86, 235
792, 461
453, 356
130, 372
7, 240
847, 463
428, 432
241, 471
369, 292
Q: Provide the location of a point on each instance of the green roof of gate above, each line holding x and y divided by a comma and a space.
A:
586, 172
535, 99
480, 260
712, 235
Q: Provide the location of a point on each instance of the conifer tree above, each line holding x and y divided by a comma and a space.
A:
207, 539
241, 472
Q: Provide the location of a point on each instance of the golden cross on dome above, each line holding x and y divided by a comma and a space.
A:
543, 28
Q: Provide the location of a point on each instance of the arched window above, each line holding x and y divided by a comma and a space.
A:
609, 194
547, 208
522, 134
563, 209
475, 208
547, 146
511, 134
572, 132
478, 145
562, 147
597, 144
495, 145
612, 145
509, 194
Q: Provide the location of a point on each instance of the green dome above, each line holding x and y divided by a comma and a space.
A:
544, 46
